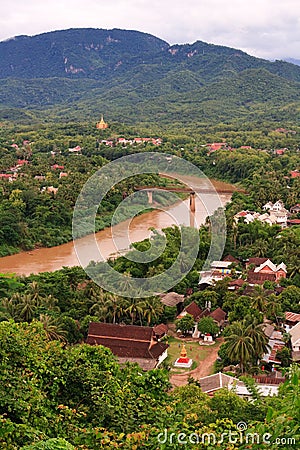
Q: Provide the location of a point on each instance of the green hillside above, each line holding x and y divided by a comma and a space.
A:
135, 77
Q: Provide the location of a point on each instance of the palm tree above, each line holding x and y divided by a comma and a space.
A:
99, 308
8, 309
274, 309
26, 306
126, 283
153, 309
259, 339
34, 291
135, 309
50, 303
240, 346
112, 304
259, 300
53, 328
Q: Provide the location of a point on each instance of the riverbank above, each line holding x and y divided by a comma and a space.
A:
110, 240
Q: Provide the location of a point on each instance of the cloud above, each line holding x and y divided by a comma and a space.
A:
265, 28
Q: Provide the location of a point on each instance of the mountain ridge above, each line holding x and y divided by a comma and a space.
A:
124, 71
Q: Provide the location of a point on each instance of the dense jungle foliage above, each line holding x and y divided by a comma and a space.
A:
59, 393
135, 77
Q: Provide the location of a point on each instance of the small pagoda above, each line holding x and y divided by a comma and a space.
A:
102, 125
183, 361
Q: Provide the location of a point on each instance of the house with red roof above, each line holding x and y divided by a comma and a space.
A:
57, 166
218, 146
295, 173
291, 319
129, 343
218, 316
291, 222
295, 209
265, 271
76, 149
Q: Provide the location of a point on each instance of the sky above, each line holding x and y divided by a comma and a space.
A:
267, 29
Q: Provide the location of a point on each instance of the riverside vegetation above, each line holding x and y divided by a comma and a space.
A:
77, 396
56, 392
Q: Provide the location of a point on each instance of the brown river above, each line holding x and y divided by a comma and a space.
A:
133, 230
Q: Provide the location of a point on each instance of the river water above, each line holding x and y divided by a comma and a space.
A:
112, 239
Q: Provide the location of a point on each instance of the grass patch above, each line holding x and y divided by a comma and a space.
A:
194, 351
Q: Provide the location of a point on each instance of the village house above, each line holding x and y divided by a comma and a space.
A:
235, 285
213, 147
57, 166
291, 319
292, 222
172, 299
295, 209
275, 213
218, 316
265, 271
213, 383
76, 149
218, 270
280, 151
129, 343
50, 189
9, 176
275, 343
295, 337
284, 130
160, 330
295, 173
139, 140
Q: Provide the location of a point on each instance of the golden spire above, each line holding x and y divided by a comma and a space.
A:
183, 352
102, 124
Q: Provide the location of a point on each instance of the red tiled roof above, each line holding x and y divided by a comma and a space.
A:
194, 310
218, 315
273, 354
56, 166
260, 278
292, 317
231, 259
257, 261
133, 332
126, 341
239, 282
295, 173
160, 329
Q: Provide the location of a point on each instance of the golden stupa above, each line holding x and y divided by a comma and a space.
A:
183, 352
183, 361
102, 124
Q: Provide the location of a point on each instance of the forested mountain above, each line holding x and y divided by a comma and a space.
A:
131, 76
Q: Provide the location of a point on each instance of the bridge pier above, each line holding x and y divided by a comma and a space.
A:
192, 219
192, 202
150, 198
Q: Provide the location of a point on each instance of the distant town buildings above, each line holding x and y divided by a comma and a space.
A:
274, 214
134, 141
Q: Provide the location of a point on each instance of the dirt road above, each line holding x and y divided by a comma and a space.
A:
204, 368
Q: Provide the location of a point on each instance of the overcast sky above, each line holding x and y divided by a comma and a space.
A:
264, 28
